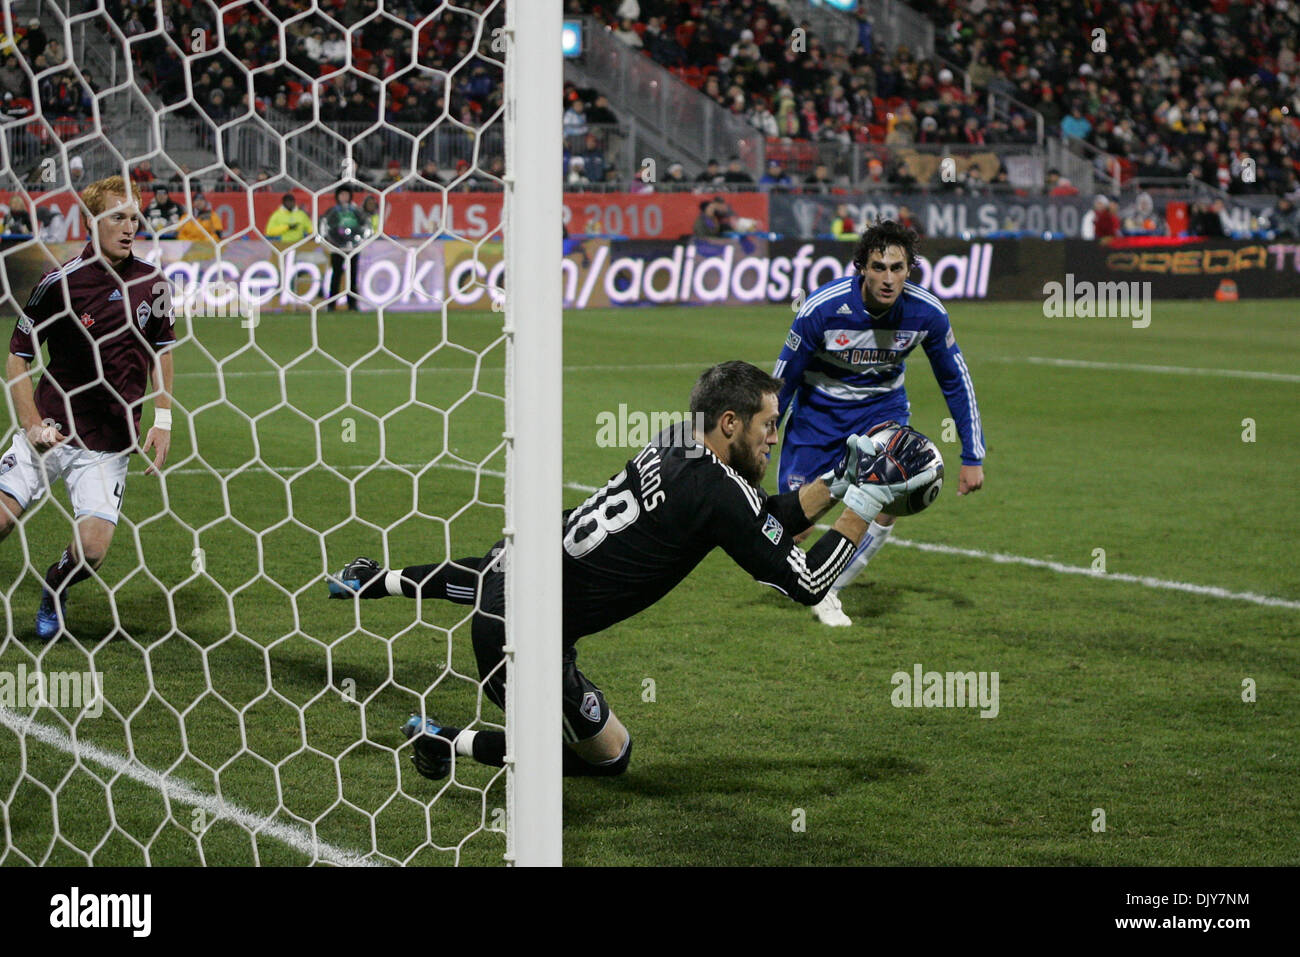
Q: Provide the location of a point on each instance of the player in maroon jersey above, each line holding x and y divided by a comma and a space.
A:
107, 321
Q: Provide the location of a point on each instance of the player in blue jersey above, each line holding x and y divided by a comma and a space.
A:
842, 366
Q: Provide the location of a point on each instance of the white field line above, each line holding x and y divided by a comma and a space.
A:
1163, 370
298, 838
1147, 581
625, 367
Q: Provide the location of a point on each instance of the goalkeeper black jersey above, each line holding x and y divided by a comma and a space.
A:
632, 541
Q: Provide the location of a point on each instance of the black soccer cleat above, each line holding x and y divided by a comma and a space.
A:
430, 753
354, 576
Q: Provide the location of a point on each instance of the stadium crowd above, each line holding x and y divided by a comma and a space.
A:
1169, 90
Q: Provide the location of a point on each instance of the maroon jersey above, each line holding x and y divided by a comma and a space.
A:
107, 319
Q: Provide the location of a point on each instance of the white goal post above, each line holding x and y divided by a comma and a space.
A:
232, 713
534, 391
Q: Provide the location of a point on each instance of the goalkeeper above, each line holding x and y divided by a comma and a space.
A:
694, 488
344, 228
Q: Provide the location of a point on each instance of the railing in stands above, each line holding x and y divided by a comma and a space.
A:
664, 114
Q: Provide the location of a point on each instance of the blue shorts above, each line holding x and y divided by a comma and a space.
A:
805, 463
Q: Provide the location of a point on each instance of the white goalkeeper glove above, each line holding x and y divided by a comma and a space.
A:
867, 499
857, 449
845, 474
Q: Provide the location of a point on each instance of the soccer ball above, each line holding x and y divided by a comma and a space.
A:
893, 436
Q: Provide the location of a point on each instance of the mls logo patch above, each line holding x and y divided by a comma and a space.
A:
590, 707
950, 340
772, 529
24, 325
793, 341
115, 295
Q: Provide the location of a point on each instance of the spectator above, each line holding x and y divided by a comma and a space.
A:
164, 214
1207, 220
34, 41
1076, 124
1064, 187
575, 124
776, 178
142, 174
577, 172
676, 175
711, 174
600, 112
736, 173
1285, 220
906, 219
17, 222
627, 33
370, 206
842, 226
819, 180
202, 224
593, 158
1141, 220
714, 218
288, 223
1105, 223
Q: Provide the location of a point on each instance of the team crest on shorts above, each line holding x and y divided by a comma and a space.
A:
8, 462
590, 707
772, 529
794, 481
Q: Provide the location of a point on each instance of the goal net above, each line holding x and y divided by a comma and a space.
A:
345, 385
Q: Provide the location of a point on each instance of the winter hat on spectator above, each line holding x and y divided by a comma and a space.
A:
945, 76
77, 163
929, 123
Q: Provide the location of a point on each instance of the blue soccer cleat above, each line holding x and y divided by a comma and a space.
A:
354, 576
430, 753
49, 621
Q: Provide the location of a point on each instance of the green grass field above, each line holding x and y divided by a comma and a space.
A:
227, 670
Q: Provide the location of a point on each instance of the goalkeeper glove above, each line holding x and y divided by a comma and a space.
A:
845, 473
857, 448
875, 492
869, 498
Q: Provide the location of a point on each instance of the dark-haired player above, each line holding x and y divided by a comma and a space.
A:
842, 365
693, 489
106, 319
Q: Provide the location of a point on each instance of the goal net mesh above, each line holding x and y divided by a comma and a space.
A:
207, 703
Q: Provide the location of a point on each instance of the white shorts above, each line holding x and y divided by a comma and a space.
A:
95, 480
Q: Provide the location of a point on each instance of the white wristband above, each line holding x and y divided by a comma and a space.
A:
162, 419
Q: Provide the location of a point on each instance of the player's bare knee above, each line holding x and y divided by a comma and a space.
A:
802, 536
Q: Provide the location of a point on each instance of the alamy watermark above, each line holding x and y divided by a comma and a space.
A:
1084, 299
951, 689
634, 429
80, 691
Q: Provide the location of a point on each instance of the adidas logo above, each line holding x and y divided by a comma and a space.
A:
844, 310
115, 295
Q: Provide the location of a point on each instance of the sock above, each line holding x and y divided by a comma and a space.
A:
451, 581
867, 548
65, 573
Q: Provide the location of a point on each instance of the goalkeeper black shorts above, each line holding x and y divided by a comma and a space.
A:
583, 707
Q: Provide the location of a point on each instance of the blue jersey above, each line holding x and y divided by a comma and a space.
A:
839, 362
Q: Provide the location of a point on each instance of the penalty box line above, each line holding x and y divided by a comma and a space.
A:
298, 838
